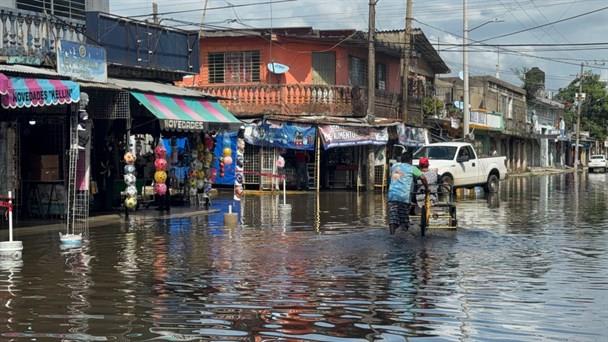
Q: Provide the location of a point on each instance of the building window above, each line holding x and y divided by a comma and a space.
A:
234, 67
357, 71
72, 9
381, 76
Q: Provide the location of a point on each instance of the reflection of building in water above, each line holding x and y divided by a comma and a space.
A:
9, 280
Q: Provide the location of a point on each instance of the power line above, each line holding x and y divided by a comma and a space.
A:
546, 24
216, 8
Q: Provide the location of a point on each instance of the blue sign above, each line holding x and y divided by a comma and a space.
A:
82, 61
281, 134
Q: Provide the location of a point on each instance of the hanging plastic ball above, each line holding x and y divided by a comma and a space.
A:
131, 191
227, 160
160, 176
131, 202
280, 162
129, 169
129, 179
160, 189
227, 152
160, 152
160, 164
129, 158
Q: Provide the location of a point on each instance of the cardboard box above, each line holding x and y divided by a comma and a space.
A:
48, 175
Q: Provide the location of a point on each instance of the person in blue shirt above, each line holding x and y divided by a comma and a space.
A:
403, 179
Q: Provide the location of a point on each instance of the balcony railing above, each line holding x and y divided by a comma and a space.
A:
28, 34
490, 121
305, 99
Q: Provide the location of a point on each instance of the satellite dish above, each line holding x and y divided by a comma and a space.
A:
461, 75
277, 68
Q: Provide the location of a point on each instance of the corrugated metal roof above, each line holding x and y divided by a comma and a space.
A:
155, 87
335, 120
97, 85
29, 70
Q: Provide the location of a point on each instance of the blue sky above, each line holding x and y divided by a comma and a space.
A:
441, 20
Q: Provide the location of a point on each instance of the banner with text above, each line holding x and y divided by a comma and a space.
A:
342, 136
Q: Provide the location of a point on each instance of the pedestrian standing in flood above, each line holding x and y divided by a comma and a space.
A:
403, 178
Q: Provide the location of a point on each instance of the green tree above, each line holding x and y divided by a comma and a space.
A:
431, 105
594, 110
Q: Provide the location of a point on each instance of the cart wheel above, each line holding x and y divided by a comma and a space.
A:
423, 221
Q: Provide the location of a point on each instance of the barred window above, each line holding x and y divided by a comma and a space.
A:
357, 71
234, 67
72, 9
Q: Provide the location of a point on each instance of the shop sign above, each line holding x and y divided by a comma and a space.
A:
281, 134
341, 136
82, 61
180, 125
412, 136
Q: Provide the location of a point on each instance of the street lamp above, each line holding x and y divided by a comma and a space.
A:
465, 62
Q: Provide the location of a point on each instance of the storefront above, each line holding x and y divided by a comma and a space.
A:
34, 138
183, 142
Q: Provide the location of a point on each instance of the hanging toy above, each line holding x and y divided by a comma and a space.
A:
129, 179
227, 160
160, 176
160, 164
160, 152
129, 169
280, 162
131, 191
209, 143
131, 202
240, 145
227, 152
129, 158
160, 189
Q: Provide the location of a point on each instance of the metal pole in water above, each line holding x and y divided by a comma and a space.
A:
284, 193
10, 216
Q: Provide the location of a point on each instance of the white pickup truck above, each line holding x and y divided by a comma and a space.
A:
457, 164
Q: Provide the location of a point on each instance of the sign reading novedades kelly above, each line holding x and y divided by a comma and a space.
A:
82, 61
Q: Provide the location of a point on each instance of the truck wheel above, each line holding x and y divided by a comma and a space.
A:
493, 184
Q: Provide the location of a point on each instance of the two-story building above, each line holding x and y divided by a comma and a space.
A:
322, 85
498, 118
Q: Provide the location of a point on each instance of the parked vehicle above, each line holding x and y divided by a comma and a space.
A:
459, 166
597, 162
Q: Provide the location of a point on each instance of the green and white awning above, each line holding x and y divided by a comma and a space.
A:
187, 113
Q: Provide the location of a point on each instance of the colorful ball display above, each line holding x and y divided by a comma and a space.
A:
160, 164
129, 158
131, 191
160, 189
227, 160
160, 152
131, 202
227, 152
160, 176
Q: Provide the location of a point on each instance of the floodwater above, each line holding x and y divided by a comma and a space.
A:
528, 265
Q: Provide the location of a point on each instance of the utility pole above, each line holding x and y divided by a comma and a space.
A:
155, 12
371, 91
406, 53
465, 66
579, 97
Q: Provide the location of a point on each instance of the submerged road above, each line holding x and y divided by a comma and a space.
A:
529, 264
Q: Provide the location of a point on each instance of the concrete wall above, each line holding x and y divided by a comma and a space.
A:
8, 3
100, 6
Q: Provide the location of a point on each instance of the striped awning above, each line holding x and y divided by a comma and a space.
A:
187, 113
18, 92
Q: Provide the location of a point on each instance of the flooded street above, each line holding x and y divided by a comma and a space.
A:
530, 264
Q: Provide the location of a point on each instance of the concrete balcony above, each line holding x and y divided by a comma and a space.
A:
486, 121
31, 38
303, 99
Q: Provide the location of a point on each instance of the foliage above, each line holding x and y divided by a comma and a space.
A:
431, 105
594, 110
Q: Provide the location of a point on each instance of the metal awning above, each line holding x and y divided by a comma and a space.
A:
179, 113
156, 88
19, 92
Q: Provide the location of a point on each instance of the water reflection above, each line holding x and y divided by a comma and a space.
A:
527, 264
